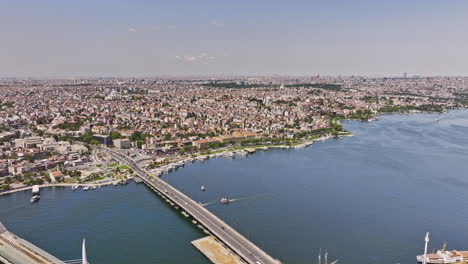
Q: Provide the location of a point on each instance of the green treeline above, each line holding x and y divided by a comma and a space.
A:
423, 108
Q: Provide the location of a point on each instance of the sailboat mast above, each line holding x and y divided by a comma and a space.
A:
320, 257
326, 257
83, 253
425, 248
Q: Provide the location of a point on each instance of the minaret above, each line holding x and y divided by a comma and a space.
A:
425, 248
83, 253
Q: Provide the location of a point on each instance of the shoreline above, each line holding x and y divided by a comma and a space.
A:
245, 150
25, 188
172, 166
241, 150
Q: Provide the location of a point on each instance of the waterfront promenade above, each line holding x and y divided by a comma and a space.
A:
240, 245
25, 188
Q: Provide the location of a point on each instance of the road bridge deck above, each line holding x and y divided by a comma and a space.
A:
240, 245
16, 250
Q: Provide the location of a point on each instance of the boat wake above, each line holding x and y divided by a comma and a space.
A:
239, 199
206, 204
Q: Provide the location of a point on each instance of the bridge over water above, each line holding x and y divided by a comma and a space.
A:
15, 250
240, 245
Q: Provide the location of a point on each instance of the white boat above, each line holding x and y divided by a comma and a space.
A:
123, 182
229, 154
202, 158
35, 190
93, 188
35, 198
300, 146
242, 153
75, 187
203, 188
225, 200
86, 188
250, 150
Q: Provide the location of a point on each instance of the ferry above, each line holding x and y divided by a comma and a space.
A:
225, 200
203, 188
35, 198
442, 256
35, 190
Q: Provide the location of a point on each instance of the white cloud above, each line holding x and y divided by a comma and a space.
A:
130, 29
217, 23
202, 57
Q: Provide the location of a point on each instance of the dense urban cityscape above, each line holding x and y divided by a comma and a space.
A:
233, 132
51, 128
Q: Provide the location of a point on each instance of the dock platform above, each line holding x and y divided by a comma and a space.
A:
215, 251
137, 180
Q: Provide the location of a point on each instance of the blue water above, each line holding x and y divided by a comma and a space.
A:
368, 199
122, 224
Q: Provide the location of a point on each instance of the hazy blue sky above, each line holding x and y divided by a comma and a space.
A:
150, 38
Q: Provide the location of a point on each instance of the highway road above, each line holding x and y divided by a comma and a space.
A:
230, 237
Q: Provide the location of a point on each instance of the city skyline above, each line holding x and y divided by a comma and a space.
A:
173, 38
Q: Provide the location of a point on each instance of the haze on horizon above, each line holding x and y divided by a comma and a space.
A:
64, 38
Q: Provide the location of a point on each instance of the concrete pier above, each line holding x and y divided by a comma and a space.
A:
215, 251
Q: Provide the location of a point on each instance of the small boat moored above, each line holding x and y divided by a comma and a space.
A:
75, 187
123, 182
86, 188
